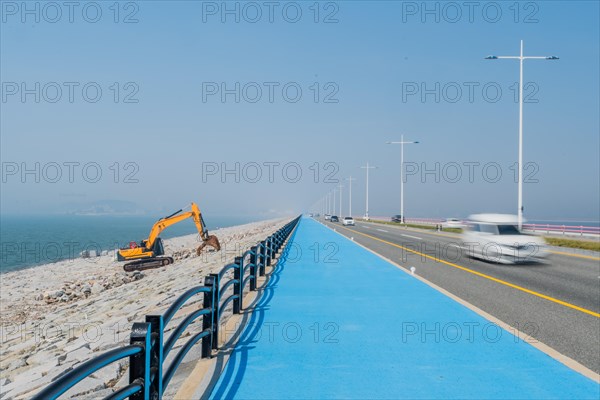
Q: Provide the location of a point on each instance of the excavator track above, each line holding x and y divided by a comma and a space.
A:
148, 263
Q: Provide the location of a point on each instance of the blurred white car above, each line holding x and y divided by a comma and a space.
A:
327, 217
496, 238
452, 223
348, 221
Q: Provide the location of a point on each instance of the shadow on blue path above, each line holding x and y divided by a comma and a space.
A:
238, 358
336, 321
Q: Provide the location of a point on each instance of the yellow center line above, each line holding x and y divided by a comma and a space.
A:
512, 285
562, 253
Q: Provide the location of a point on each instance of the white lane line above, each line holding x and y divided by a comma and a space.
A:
412, 237
381, 230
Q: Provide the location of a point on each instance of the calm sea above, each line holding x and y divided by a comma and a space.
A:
26, 241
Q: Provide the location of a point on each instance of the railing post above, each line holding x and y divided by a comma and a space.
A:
139, 364
208, 320
277, 241
263, 257
216, 305
238, 274
156, 355
268, 243
253, 268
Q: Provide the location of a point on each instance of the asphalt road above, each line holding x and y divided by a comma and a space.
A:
556, 302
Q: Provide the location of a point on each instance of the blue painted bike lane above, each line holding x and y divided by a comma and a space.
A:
337, 321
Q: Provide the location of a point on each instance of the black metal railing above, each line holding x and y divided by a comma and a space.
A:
147, 350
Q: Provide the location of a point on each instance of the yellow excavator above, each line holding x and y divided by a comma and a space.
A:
148, 252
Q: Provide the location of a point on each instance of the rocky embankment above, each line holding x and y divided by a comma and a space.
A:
56, 316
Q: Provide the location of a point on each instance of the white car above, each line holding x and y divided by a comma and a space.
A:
496, 238
452, 223
327, 217
348, 221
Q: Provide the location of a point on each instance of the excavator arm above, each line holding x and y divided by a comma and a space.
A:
163, 224
175, 218
199, 221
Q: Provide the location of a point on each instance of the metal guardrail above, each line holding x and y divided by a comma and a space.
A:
542, 228
564, 229
147, 352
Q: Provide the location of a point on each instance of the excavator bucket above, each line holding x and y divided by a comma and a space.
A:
212, 241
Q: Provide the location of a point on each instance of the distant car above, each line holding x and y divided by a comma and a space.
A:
348, 221
496, 238
396, 218
334, 218
366, 218
327, 217
452, 223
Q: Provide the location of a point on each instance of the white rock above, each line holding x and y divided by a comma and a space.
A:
84, 387
81, 354
97, 288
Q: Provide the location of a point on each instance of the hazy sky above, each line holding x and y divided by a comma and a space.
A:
190, 88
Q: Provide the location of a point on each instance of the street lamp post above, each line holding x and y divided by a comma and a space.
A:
350, 179
402, 143
341, 186
333, 207
367, 168
521, 58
